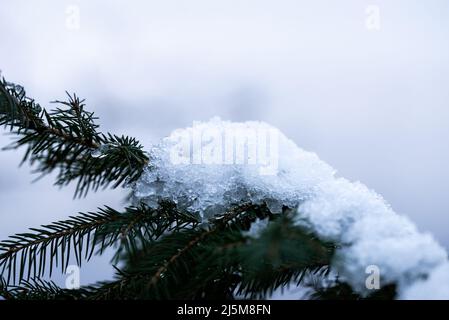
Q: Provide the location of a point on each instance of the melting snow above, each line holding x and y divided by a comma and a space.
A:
213, 165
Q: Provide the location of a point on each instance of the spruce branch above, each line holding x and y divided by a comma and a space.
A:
220, 261
281, 255
164, 259
37, 289
67, 140
165, 253
24, 255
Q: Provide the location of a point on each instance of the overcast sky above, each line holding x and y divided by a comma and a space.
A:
362, 83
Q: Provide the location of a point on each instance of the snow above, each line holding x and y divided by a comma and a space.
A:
214, 165
435, 287
205, 169
257, 227
370, 233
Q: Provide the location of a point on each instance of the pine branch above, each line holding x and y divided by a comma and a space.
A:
221, 261
38, 289
67, 140
220, 224
160, 259
24, 256
4, 290
138, 227
16, 110
283, 253
166, 253
256, 266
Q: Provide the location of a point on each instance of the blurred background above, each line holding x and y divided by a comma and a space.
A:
364, 84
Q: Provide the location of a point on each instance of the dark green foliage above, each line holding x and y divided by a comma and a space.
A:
159, 253
26, 255
37, 290
217, 262
283, 253
67, 140
16, 110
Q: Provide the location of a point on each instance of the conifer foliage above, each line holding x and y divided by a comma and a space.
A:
160, 253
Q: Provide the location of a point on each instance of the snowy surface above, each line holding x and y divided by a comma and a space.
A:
204, 170
370, 233
213, 165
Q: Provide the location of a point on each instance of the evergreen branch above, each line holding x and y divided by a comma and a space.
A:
27, 253
140, 226
4, 291
38, 289
120, 161
220, 261
67, 140
160, 260
18, 111
173, 259
220, 223
197, 262
281, 255
166, 253
242, 266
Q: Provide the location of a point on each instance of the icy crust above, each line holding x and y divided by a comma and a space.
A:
208, 188
368, 231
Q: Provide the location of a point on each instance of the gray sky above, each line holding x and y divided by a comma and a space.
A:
374, 103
